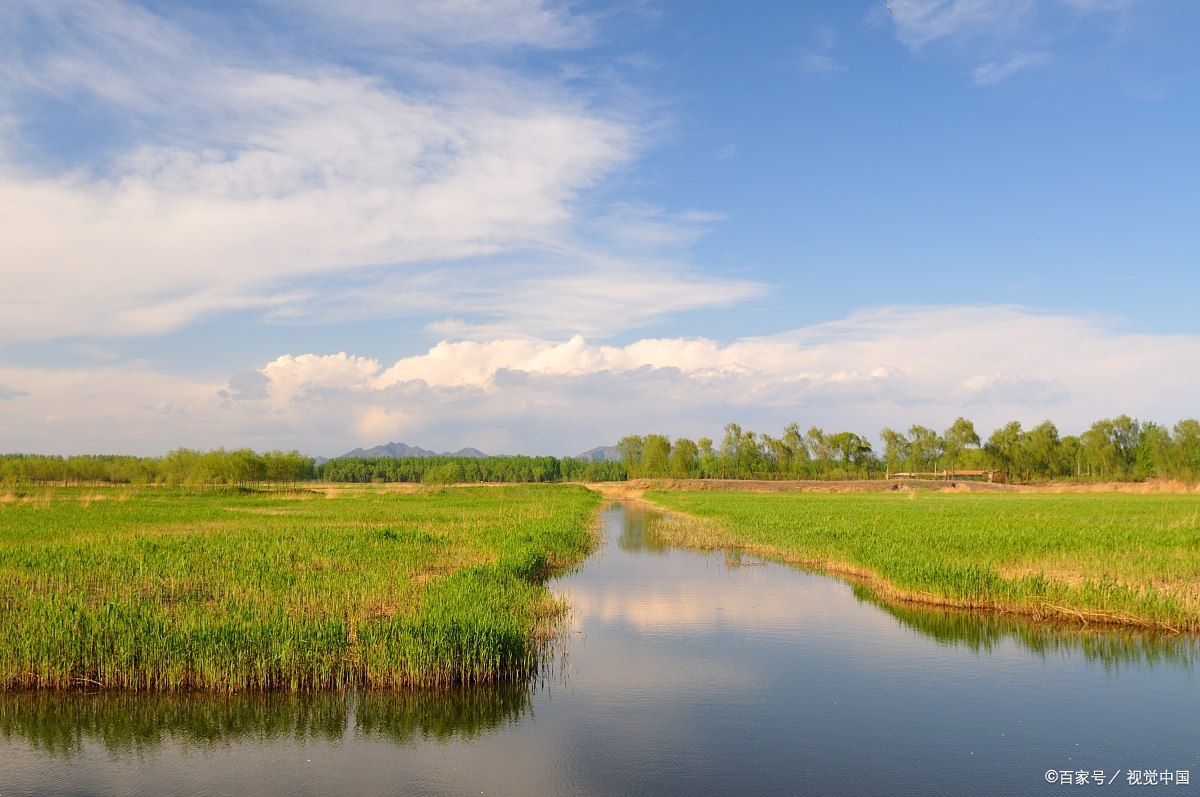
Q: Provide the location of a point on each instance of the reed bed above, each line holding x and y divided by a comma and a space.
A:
1092, 558
232, 590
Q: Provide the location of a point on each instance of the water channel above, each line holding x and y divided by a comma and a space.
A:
681, 673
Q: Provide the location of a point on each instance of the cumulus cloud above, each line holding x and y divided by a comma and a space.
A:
884, 367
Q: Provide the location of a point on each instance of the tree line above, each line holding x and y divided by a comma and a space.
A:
1121, 448
183, 466
188, 467
451, 470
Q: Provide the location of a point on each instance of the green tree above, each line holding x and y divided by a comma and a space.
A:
960, 436
1186, 438
1040, 452
710, 465
797, 452
1003, 448
656, 455
818, 448
684, 458
925, 447
731, 450
895, 449
629, 449
853, 451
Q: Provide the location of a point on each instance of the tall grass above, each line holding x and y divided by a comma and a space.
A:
161, 589
1125, 559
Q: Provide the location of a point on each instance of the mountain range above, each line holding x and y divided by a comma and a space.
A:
400, 451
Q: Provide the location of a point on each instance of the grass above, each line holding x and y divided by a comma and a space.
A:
1095, 558
164, 589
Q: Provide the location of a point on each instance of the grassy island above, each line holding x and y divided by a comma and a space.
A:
1090, 557
160, 588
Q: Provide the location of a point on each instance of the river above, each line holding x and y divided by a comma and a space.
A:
679, 673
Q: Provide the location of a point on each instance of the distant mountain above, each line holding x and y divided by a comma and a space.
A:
601, 454
400, 451
468, 452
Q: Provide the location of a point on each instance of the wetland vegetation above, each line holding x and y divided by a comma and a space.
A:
1094, 558
235, 590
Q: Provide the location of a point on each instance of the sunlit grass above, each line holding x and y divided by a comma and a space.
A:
156, 588
1132, 559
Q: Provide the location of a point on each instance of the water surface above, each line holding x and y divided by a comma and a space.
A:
682, 673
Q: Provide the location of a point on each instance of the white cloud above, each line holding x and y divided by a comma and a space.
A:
885, 367
1005, 37
922, 22
339, 173
819, 63
992, 72
245, 181
478, 23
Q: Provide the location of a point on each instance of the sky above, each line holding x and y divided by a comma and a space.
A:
537, 227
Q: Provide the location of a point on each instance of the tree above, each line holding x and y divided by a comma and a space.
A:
1040, 451
709, 464
656, 453
853, 451
731, 449
960, 436
1156, 453
895, 449
926, 447
1187, 443
818, 447
629, 449
1003, 447
1113, 444
797, 452
684, 458
750, 461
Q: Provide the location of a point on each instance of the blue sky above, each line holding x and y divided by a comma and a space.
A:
536, 227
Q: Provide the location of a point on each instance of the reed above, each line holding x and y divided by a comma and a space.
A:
1095, 558
166, 589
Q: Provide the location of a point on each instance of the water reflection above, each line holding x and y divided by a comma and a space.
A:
978, 631
984, 632
636, 530
61, 724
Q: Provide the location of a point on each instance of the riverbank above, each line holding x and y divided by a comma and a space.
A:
293, 589
1091, 558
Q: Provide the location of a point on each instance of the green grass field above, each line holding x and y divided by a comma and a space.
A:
157, 588
1129, 559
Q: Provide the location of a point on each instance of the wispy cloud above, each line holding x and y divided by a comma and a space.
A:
922, 22
9, 393
243, 178
500, 24
1004, 37
992, 72
817, 58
